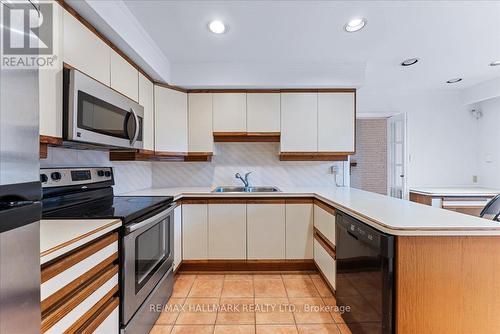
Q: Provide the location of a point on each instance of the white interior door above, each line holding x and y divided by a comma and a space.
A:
397, 156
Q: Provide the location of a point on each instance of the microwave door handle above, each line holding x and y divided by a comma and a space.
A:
136, 134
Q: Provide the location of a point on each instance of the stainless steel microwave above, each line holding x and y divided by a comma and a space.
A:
96, 115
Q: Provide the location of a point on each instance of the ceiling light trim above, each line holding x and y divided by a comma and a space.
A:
356, 24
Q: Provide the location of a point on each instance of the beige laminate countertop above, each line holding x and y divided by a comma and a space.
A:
58, 237
387, 214
464, 191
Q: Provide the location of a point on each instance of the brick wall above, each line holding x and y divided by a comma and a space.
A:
371, 156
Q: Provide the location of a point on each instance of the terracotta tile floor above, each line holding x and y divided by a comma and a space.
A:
249, 304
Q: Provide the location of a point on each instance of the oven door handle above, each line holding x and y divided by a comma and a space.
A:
136, 134
150, 221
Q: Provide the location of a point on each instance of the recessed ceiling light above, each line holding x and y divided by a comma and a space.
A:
355, 24
217, 27
495, 63
455, 80
409, 62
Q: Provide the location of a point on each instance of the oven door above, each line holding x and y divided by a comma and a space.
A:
96, 114
148, 254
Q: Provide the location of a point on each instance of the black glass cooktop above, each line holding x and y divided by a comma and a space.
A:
127, 208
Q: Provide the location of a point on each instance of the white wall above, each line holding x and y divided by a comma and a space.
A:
231, 158
488, 152
129, 176
441, 134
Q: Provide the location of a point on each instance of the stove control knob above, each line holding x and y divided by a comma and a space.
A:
100, 173
43, 178
107, 173
56, 176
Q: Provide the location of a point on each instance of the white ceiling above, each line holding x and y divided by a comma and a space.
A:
302, 43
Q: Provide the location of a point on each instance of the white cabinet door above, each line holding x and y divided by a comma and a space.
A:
194, 232
336, 122
227, 234
230, 112
299, 122
263, 112
299, 231
325, 262
124, 77
177, 236
324, 221
171, 120
50, 85
146, 99
201, 138
83, 50
266, 231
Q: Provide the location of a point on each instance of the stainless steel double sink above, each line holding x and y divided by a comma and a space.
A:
245, 190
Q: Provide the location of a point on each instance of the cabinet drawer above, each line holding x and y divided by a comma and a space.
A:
324, 220
64, 276
325, 262
71, 312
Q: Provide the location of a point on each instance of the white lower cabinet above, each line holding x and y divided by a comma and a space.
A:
325, 262
177, 236
227, 231
324, 221
194, 231
299, 230
266, 230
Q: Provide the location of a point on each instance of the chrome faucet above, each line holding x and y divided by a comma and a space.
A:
244, 180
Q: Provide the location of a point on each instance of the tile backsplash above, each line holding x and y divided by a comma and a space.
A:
129, 176
260, 158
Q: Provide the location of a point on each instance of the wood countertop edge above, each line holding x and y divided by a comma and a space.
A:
49, 251
396, 231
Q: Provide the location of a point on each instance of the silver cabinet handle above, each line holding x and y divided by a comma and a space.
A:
136, 134
150, 221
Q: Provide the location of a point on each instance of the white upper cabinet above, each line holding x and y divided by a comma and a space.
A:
201, 137
299, 122
230, 112
124, 77
83, 50
263, 112
171, 120
50, 86
336, 122
146, 99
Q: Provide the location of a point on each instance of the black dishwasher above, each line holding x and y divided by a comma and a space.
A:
365, 276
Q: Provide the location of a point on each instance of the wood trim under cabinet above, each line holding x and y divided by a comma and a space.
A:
299, 200
327, 246
314, 156
193, 201
240, 137
52, 316
247, 265
94, 317
227, 201
199, 157
268, 200
135, 155
50, 140
54, 268
330, 209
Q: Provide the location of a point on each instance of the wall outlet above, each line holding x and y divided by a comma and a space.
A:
474, 178
334, 169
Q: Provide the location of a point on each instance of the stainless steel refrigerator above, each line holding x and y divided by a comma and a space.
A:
20, 208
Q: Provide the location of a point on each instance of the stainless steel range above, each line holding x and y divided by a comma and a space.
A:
147, 245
